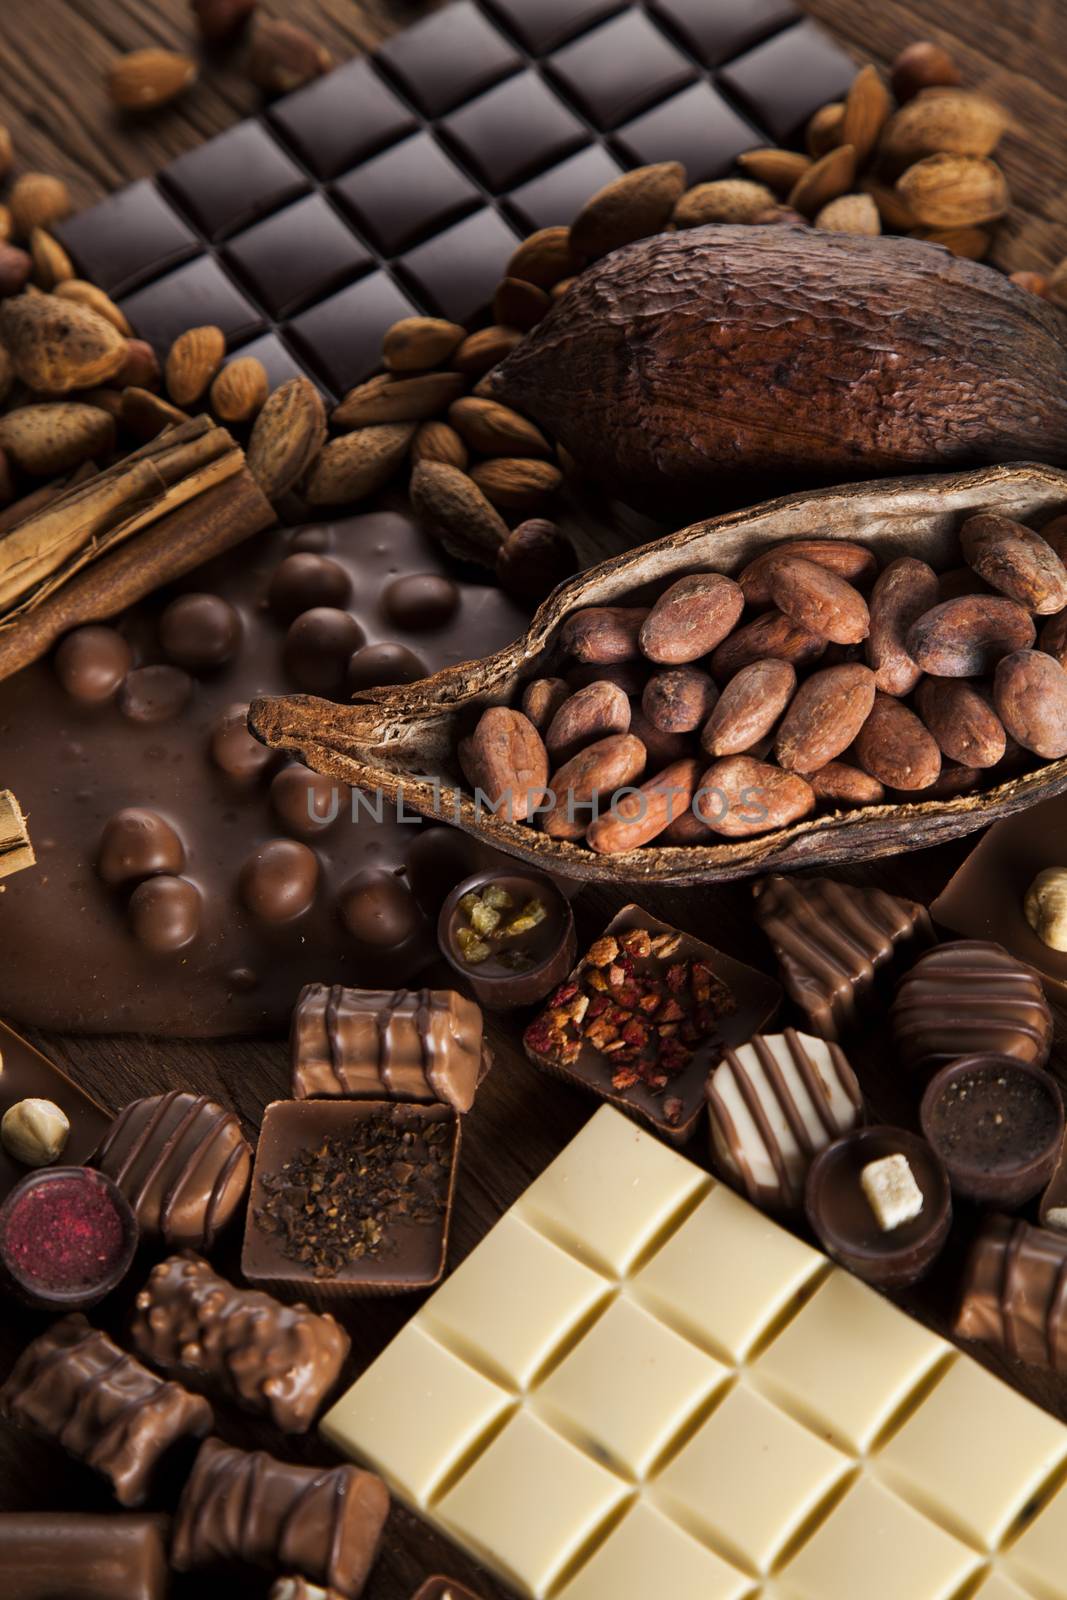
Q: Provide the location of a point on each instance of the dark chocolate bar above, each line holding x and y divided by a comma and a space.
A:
25, 1074
75, 1555
1015, 1292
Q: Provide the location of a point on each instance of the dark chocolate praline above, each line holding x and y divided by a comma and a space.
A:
997, 1124
552, 946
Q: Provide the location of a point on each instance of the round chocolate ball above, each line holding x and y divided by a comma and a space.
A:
155, 694
306, 579
165, 913
137, 843
421, 600
318, 647
234, 750
317, 538
377, 665
91, 663
379, 909
306, 802
278, 880
199, 630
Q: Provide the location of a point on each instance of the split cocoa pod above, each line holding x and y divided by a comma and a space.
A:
887, 784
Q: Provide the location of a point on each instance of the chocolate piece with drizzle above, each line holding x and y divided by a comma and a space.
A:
967, 998
1015, 1292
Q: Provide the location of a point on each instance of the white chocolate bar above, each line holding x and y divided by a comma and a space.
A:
637, 1387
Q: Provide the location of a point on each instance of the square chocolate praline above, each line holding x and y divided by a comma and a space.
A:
131, 236
698, 127
513, 131
407, 192
341, 119
413, 1254
194, 296
448, 58
457, 272
717, 33
556, 197
620, 68
756, 1000
341, 338
784, 81
299, 255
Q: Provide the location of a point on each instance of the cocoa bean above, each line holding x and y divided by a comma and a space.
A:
1053, 638
904, 591
662, 748
768, 635
629, 675
603, 634
895, 747
840, 783
966, 727
817, 599
1015, 561
637, 818
687, 829
740, 796
542, 698
1030, 694
748, 707
965, 638
825, 715
953, 780
598, 770
1054, 534
853, 562
958, 581
690, 618
507, 760
596, 711
678, 701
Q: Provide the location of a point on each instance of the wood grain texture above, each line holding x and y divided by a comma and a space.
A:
52, 97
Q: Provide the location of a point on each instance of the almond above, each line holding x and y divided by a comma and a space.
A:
51, 263
1030, 693
895, 747
389, 399
966, 637
535, 557
1015, 561
141, 368
37, 201
634, 206
824, 129
748, 708
839, 783
830, 177
680, 700
484, 350
778, 169
903, 593
145, 79
825, 715
542, 698
506, 760
145, 414
970, 243
357, 464
817, 599
741, 796
48, 439
770, 635
1033, 282
57, 345
691, 617
639, 816
15, 268
852, 213
966, 727
596, 711
603, 635
724, 200
950, 191
892, 211
240, 390
518, 304
517, 485
415, 344
585, 785
496, 430
87, 294
951, 121
286, 437
853, 562
544, 258
867, 110
922, 65
192, 362
283, 57
438, 441
456, 512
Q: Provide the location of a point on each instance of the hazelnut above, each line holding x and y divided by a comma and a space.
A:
1046, 907
34, 1132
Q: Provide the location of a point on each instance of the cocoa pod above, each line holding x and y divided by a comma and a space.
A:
769, 635
593, 713
637, 818
1015, 561
840, 783
542, 698
599, 769
1053, 638
817, 599
661, 748
965, 638
1030, 694
603, 634
904, 591
853, 562
748, 707
678, 701
824, 717
740, 796
895, 747
507, 760
966, 727
691, 617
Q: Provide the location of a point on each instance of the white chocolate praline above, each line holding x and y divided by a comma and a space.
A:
891, 1191
34, 1132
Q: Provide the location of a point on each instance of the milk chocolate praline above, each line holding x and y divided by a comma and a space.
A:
551, 946
997, 1124
846, 1226
968, 996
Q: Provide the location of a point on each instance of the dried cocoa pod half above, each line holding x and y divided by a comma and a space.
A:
1053, 638
840, 783
817, 599
824, 717
769, 635
679, 701
966, 727
904, 591
853, 562
740, 796
542, 698
599, 769
1030, 693
637, 818
602, 635
691, 617
506, 759
748, 707
965, 638
1015, 561
593, 713
895, 747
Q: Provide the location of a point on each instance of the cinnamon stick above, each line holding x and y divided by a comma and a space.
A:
16, 851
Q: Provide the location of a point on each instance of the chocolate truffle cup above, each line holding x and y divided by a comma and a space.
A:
1013, 1179
505, 991
30, 1290
846, 1226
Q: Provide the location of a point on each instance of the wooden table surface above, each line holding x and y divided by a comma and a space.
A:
51, 96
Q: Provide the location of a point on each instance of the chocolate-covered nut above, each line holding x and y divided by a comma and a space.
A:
91, 663
155, 694
199, 630
164, 913
378, 908
421, 600
318, 647
278, 880
137, 843
306, 579
305, 801
376, 666
235, 751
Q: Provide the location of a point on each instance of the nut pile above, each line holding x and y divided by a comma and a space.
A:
731, 707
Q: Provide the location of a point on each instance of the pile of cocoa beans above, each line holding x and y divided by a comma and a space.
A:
813, 681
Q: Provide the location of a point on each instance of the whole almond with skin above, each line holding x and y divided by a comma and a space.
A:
922, 65
109, 400
691, 617
636, 819
239, 392
867, 110
518, 304
949, 191
724, 200
825, 715
852, 213
853, 562
661, 748
141, 368
892, 211
544, 258
904, 592
146, 79
439, 441
15, 268
778, 169
748, 708
416, 344
895, 747
593, 713
1030, 694
145, 414
283, 57
534, 559
1053, 638
357, 464
38, 200
48, 439
966, 637
828, 178
680, 700
951, 121
516, 484
768, 635
192, 362
542, 698
632, 207
972, 244
584, 785
1015, 561
824, 129
389, 399
603, 635
966, 727
286, 437
482, 351
1035, 282
507, 761
87, 294
839, 783
741, 796
496, 430
51, 263
57, 345
817, 599
456, 512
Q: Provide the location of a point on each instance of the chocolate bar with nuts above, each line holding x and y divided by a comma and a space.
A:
1015, 1292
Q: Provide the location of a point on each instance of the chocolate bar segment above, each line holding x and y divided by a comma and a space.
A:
402, 1044
325, 1524
967, 998
73, 1555
240, 1344
1015, 1292
832, 942
74, 1385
